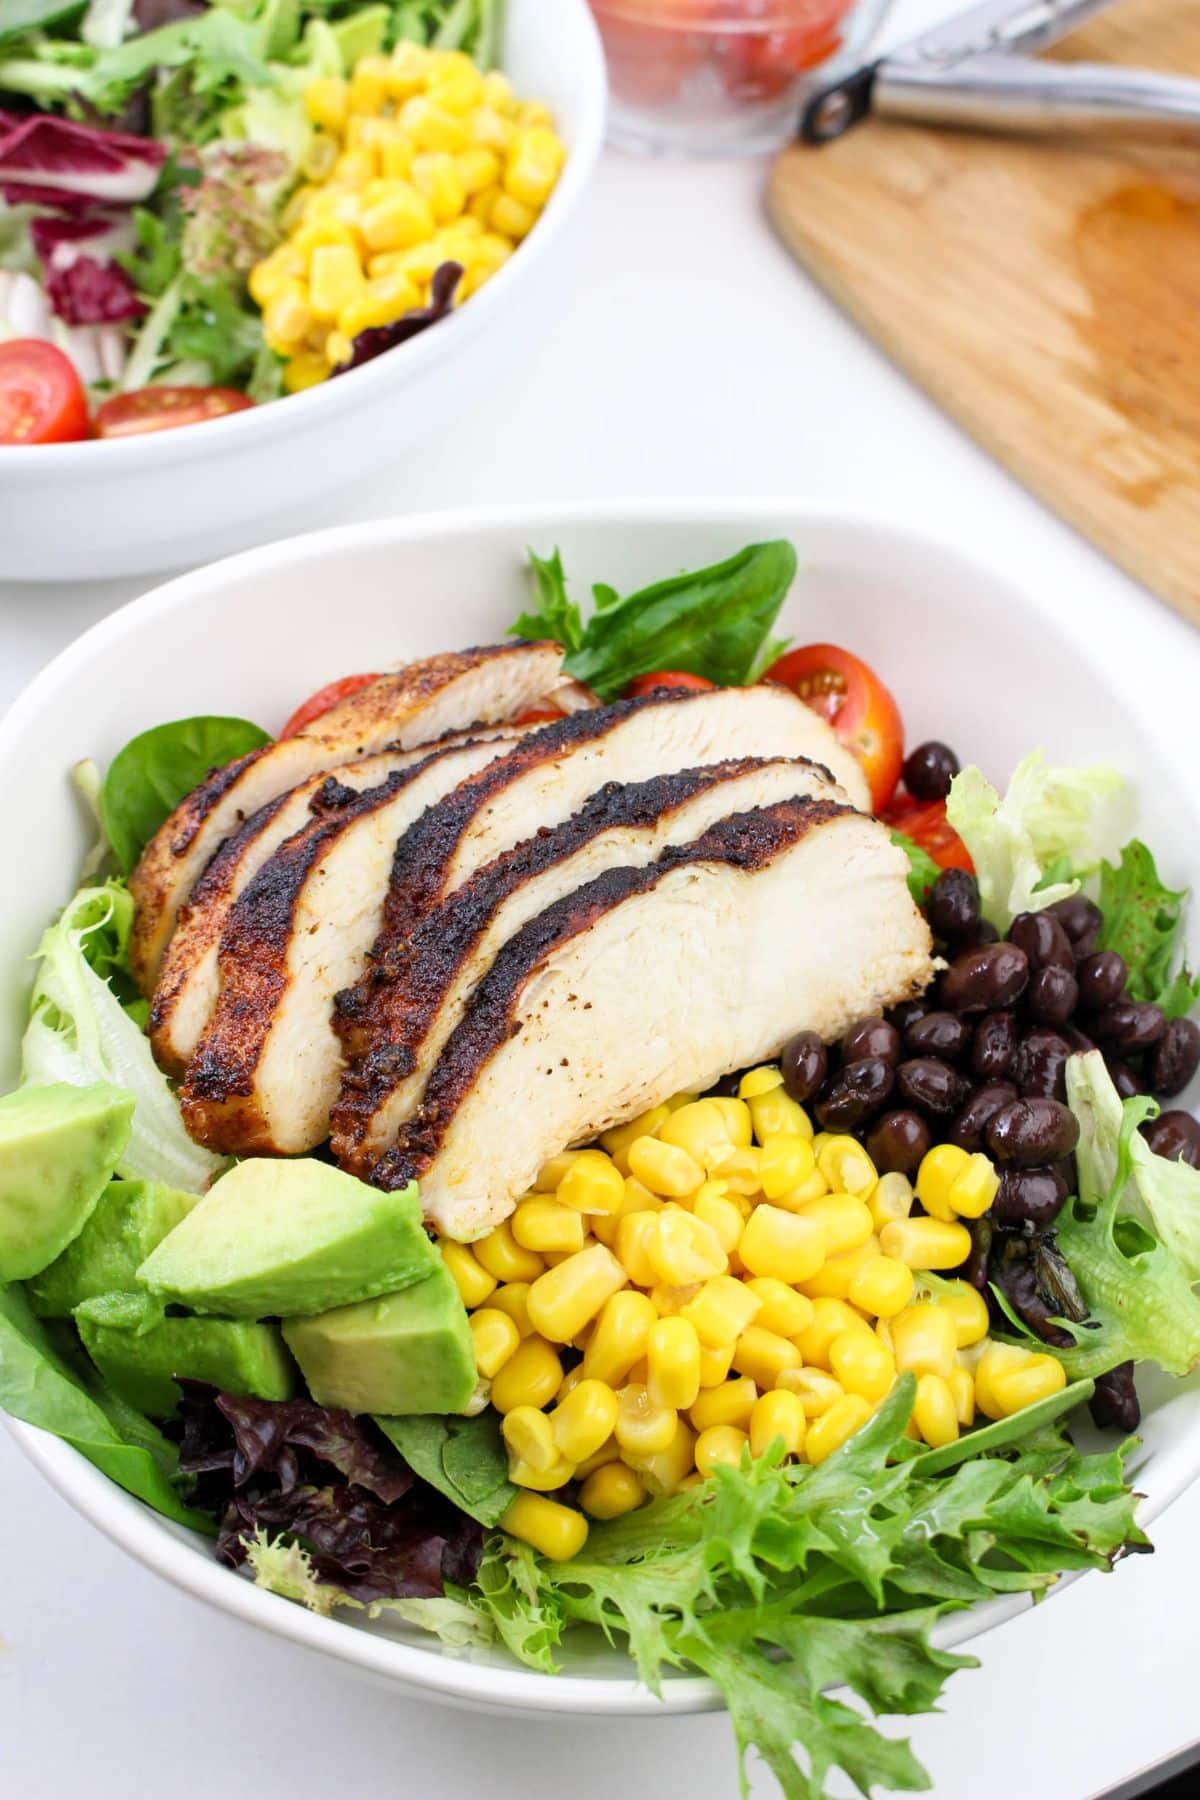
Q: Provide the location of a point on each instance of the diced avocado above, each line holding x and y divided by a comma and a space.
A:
130, 1218
235, 1356
58, 1148
405, 1353
275, 1238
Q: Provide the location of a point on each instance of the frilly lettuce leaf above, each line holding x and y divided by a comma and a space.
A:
1047, 816
1143, 921
286, 1568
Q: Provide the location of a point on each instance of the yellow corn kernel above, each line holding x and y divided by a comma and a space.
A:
530, 175
287, 316
789, 1246
368, 87
862, 1364
503, 1257
354, 168
584, 1421
739, 1127
816, 1389
592, 1184
664, 1471
782, 1310
609, 1452
321, 234
730, 1404
396, 157
338, 349
713, 1207
498, 92
940, 1168
529, 1438
542, 1481
759, 1081
673, 1363
620, 1338
494, 1337
881, 1286
409, 69
530, 1377
883, 1331
642, 1424
968, 1308
776, 1114
551, 1173
834, 1427
612, 1491
891, 1199
491, 131
273, 273
836, 1273
325, 101
786, 1160
547, 1225
403, 219
926, 1243
557, 1531
435, 175
633, 1238
974, 1189
669, 1299
739, 1167
1004, 1386
934, 1411
845, 1221
304, 371
567, 1385
831, 1318
472, 1280
924, 1340
432, 128
513, 1299
664, 1168
847, 1167
335, 279
534, 112
618, 1140
764, 1355
566, 1298
458, 92
511, 218
699, 1128
721, 1311
719, 1444
317, 162
962, 1386
683, 1249
715, 1364
778, 1415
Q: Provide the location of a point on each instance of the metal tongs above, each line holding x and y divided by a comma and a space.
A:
968, 72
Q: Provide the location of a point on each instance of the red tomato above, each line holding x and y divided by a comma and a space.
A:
323, 699
925, 822
665, 678
539, 715
855, 702
41, 397
162, 408
651, 49
762, 65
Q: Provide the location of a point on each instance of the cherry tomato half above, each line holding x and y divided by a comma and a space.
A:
851, 697
323, 700
762, 64
539, 715
41, 396
665, 678
162, 408
925, 822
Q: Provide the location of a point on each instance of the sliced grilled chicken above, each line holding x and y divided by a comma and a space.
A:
651, 981
542, 782
415, 705
621, 826
186, 991
267, 1068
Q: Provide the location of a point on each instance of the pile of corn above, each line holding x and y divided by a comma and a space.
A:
417, 160
730, 1279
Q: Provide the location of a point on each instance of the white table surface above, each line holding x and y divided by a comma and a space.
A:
687, 356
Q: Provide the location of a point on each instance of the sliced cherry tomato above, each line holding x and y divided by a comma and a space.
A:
324, 698
539, 715
925, 822
162, 408
763, 64
665, 678
651, 47
41, 396
855, 702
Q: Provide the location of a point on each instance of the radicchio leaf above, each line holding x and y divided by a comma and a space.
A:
85, 285
373, 342
55, 162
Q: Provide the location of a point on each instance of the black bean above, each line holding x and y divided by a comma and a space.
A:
898, 1142
1032, 1131
1079, 1041
854, 1095
1081, 921
1029, 1197
1124, 1078
1101, 979
968, 1128
929, 770
933, 1087
952, 906
1175, 1058
907, 1013
995, 1047
983, 979
984, 933
871, 1037
941, 1034
1041, 1066
804, 1063
1115, 1400
1175, 1135
727, 1087
1042, 938
1053, 995
1129, 1025
975, 1269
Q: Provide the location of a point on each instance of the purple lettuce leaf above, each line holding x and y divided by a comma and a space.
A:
55, 162
86, 286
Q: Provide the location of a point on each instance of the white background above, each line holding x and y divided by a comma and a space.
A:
679, 353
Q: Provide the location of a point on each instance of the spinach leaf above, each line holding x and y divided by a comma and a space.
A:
712, 622
463, 1458
151, 775
1143, 920
922, 870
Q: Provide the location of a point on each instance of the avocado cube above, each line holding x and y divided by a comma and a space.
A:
403, 1353
130, 1218
285, 1238
58, 1148
237, 1357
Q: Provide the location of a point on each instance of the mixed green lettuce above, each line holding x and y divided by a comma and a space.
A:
1143, 921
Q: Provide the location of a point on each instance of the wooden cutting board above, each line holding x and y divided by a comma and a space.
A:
1046, 293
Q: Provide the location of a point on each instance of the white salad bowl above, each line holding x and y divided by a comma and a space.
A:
970, 658
166, 499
